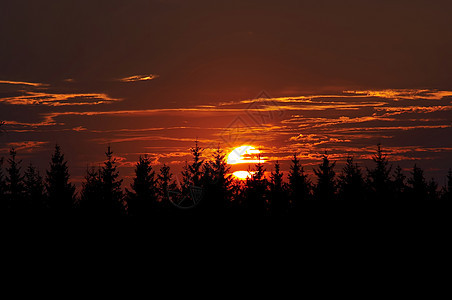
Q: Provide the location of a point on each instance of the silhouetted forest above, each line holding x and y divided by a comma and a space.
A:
209, 188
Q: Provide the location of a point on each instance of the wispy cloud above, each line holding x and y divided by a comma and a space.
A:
409, 94
139, 78
24, 147
56, 99
35, 84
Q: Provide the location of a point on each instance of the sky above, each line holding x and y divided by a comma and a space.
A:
151, 77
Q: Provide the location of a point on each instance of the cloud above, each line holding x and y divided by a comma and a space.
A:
56, 99
25, 146
23, 83
398, 94
135, 78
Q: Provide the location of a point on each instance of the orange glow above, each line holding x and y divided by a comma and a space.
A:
244, 154
242, 175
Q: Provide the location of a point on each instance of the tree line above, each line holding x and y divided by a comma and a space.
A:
28, 191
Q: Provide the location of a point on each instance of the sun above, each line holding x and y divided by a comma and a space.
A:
244, 155
242, 175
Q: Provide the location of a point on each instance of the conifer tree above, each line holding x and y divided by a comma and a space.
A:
3, 203
60, 192
142, 199
325, 188
399, 185
112, 195
221, 187
418, 185
14, 182
446, 193
378, 179
432, 190
256, 185
165, 182
299, 184
196, 166
351, 182
91, 194
186, 179
34, 190
278, 199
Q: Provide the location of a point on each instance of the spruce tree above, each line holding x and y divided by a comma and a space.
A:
399, 185
378, 179
432, 190
196, 166
299, 185
351, 182
325, 189
142, 199
417, 184
278, 199
165, 182
60, 192
186, 179
222, 181
34, 190
256, 187
91, 194
14, 183
112, 195
3, 203
446, 193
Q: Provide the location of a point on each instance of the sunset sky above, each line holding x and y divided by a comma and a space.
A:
283, 76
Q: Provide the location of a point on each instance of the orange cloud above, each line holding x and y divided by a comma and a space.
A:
135, 78
22, 83
50, 99
24, 147
409, 94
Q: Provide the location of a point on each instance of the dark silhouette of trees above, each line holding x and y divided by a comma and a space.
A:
112, 196
15, 191
219, 190
196, 166
378, 178
14, 182
278, 196
351, 182
3, 202
60, 192
34, 190
142, 199
417, 185
399, 185
299, 185
101, 194
432, 190
165, 182
325, 189
91, 194
446, 192
256, 187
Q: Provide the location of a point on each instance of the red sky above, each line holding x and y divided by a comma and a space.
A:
285, 76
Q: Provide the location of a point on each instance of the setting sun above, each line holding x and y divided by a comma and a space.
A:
243, 155
242, 175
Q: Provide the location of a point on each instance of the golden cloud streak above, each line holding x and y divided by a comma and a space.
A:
135, 78
23, 83
49, 99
